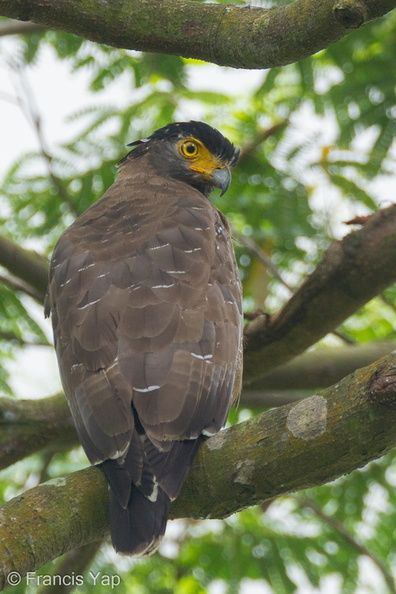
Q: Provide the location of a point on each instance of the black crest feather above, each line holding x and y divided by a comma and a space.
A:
214, 141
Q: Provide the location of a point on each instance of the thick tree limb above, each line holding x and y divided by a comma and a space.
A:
25, 264
352, 272
242, 37
321, 367
281, 451
28, 426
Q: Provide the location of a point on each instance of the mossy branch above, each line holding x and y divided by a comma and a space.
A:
282, 451
29, 426
225, 34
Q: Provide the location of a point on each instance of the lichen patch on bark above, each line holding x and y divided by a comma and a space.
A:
245, 472
307, 419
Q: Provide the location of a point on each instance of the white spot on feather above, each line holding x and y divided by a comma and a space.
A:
158, 247
86, 267
119, 453
203, 357
148, 389
112, 365
88, 304
163, 286
154, 494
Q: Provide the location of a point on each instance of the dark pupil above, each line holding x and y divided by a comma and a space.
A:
190, 148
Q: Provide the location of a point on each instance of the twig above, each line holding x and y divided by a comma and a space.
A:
344, 337
13, 27
28, 426
72, 564
315, 369
29, 108
251, 245
227, 35
9, 336
347, 536
261, 256
261, 136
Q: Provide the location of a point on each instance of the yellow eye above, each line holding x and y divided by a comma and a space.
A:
189, 149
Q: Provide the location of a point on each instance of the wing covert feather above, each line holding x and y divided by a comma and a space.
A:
147, 312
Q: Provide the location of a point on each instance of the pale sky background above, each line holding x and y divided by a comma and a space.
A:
59, 93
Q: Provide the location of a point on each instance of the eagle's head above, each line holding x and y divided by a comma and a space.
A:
192, 152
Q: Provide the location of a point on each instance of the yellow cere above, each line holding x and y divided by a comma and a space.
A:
201, 159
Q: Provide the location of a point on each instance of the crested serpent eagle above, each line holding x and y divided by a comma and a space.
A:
145, 299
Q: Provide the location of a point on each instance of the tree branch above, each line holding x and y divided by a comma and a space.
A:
351, 273
336, 525
73, 563
25, 264
28, 426
17, 28
243, 37
284, 450
17, 285
321, 367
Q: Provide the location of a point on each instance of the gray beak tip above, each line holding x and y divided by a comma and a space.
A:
222, 179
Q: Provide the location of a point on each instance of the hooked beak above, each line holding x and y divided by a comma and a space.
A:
221, 178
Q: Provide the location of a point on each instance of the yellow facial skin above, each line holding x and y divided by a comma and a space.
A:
200, 158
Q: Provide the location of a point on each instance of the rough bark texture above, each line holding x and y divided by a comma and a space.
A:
28, 426
238, 36
284, 450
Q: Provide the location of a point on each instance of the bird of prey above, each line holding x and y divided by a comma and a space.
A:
146, 308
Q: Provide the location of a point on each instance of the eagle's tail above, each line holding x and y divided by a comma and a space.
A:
138, 529
141, 489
